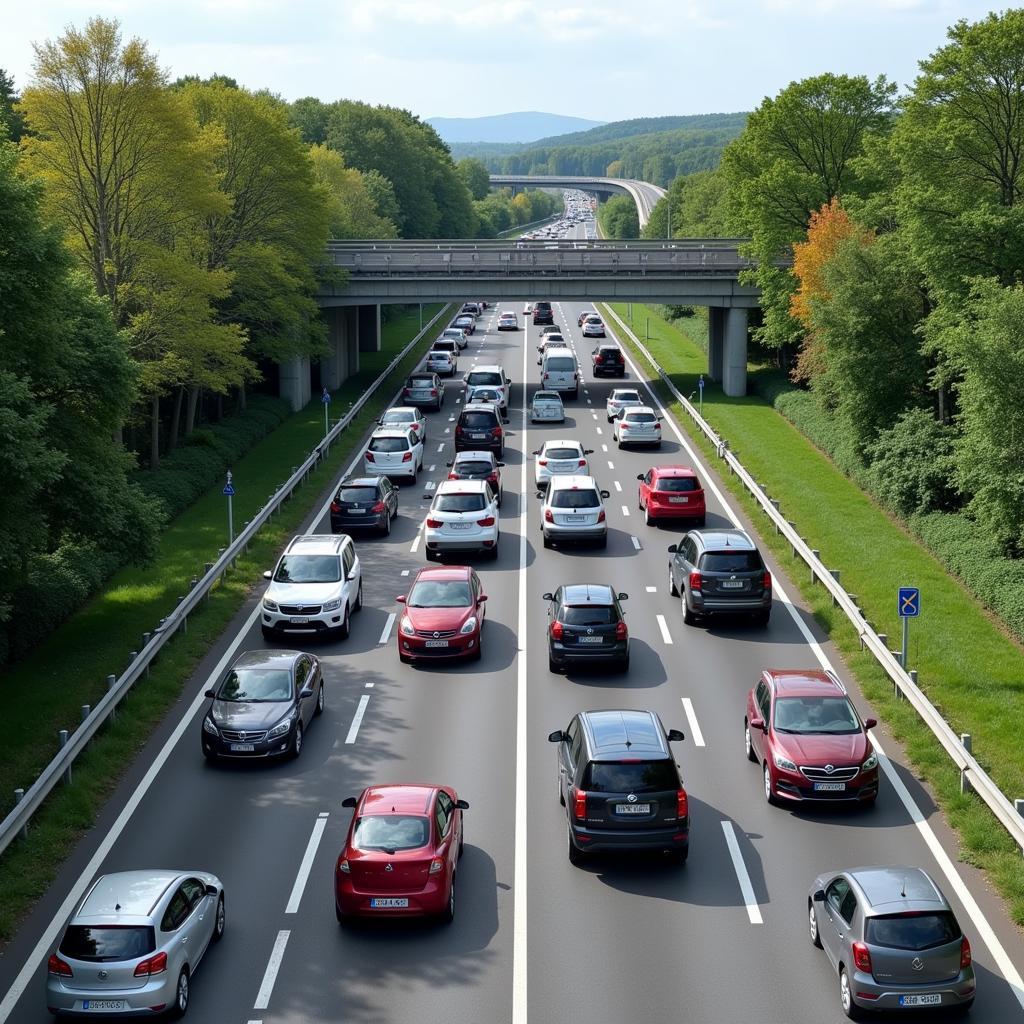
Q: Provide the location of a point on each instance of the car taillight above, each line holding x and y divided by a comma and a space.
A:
153, 965
542, 462
57, 966
406, 391
453, 476
434, 524
682, 804
493, 479
657, 426
965, 953
335, 507
548, 517
407, 457
583, 462
486, 521
598, 359
378, 507
415, 426
433, 392
767, 580
343, 867
497, 432
861, 957
545, 376
369, 457
600, 516
459, 430
557, 630
579, 803
436, 866
695, 581
620, 631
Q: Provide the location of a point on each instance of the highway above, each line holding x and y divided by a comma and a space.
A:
722, 939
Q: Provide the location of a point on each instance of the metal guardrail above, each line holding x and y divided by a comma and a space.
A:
503, 244
29, 801
972, 775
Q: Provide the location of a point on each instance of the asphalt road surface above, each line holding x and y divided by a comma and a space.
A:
722, 939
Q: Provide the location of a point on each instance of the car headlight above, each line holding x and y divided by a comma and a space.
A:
209, 727
407, 627
871, 762
271, 606
784, 762
469, 625
281, 729
331, 606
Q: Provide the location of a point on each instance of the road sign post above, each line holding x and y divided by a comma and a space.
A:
326, 399
909, 607
700, 385
229, 493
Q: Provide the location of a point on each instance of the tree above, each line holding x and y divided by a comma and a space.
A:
310, 116
353, 213
619, 218
697, 203
10, 116
475, 177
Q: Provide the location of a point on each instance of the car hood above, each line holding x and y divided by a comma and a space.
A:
303, 593
822, 750
250, 717
438, 618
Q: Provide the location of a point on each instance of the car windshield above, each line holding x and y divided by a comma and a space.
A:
584, 497
469, 467
309, 569
912, 931
730, 561
477, 420
358, 494
389, 444
588, 615
484, 377
256, 686
439, 594
677, 483
105, 943
459, 503
811, 715
561, 364
562, 453
391, 832
632, 777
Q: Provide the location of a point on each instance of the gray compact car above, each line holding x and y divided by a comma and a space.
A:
134, 943
893, 938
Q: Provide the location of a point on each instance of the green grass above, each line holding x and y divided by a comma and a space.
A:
967, 664
70, 669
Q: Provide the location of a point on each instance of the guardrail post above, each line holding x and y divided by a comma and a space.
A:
62, 742
774, 502
965, 739
1018, 806
111, 683
19, 795
884, 637
86, 711
817, 554
834, 573
789, 522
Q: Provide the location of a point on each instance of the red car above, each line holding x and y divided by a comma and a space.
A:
804, 731
671, 492
444, 615
400, 854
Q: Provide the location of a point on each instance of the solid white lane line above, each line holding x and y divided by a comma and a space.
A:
307, 863
691, 716
357, 720
665, 634
618, 487
625, 508
385, 633
273, 966
747, 890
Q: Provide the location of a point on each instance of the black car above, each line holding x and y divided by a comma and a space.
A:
719, 572
608, 361
364, 501
542, 313
480, 427
477, 465
620, 785
586, 626
263, 706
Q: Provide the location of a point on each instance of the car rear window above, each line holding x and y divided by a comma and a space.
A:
400, 416
641, 417
585, 497
547, 396
484, 377
912, 931
478, 420
677, 483
445, 346
459, 503
630, 777
107, 943
625, 396
610, 353
542, 305
421, 382
476, 466
588, 615
730, 561
561, 363
391, 832
389, 444
358, 494
562, 453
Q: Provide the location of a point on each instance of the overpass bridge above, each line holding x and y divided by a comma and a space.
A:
643, 193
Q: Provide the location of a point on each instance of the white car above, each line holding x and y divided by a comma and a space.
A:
559, 458
547, 407
462, 517
405, 416
316, 586
442, 360
393, 452
456, 334
593, 327
622, 398
485, 393
573, 510
641, 425
491, 377
508, 321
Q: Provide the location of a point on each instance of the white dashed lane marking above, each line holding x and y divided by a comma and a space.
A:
691, 716
663, 626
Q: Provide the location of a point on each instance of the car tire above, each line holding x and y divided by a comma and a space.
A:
850, 1008
648, 519
702, 522
448, 914
295, 750
547, 539
182, 992
268, 633
403, 659
672, 588
359, 597
561, 795
211, 756
763, 618
576, 855
478, 651
681, 856
553, 666
575, 393
610, 418
748, 746
321, 700
812, 926
346, 626
689, 618
219, 920
623, 665
769, 788
386, 528
603, 542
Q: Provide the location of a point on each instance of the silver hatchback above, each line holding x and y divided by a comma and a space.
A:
893, 938
134, 943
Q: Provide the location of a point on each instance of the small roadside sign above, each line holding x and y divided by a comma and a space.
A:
229, 490
326, 397
909, 602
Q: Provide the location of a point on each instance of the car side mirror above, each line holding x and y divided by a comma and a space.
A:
556, 737
463, 805
349, 801
870, 723
673, 548
508, 381
505, 419
209, 693
501, 465
449, 464
481, 599
268, 575
211, 890
547, 597
819, 896
540, 494
351, 576
588, 451
537, 452
623, 597
675, 736
756, 722
538, 362
306, 691
400, 599
640, 476
606, 494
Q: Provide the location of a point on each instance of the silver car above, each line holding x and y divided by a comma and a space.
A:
572, 509
639, 425
622, 398
893, 938
547, 407
134, 943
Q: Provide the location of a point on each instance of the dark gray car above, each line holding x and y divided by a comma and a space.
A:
719, 572
263, 706
892, 937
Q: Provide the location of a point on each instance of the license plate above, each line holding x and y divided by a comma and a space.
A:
732, 584
829, 787
478, 437
632, 808
356, 508
243, 748
590, 639
298, 620
103, 1005
436, 643
390, 903
927, 999
575, 519
678, 501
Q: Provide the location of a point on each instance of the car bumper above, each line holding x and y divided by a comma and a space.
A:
217, 746
478, 446
563, 654
146, 1001
862, 788
638, 439
588, 839
407, 469
725, 606
572, 534
476, 542
341, 524
614, 371
676, 511
420, 403
415, 647
547, 417
317, 624
869, 994
352, 902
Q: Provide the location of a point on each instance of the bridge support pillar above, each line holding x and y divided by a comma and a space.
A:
295, 382
716, 341
369, 328
734, 369
343, 347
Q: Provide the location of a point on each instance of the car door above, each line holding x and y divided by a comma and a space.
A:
303, 676
686, 558
201, 918
348, 564
444, 820
568, 758
645, 487
762, 705
476, 587
553, 605
832, 929
389, 494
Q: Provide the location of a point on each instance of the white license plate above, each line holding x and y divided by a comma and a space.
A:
356, 508
679, 501
927, 999
591, 639
103, 1005
732, 584
478, 437
829, 787
436, 643
575, 519
389, 903
632, 808
459, 526
299, 620
243, 748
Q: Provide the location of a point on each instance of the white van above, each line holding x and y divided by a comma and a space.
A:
559, 371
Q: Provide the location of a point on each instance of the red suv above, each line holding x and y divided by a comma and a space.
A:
804, 731
671, 492
444, 615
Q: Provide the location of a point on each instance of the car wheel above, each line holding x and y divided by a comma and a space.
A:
748, 746
648, 520
211, 756
610, 418
547, 539
386, 528
850, 1008
812, 925
763, 618
603, 542
181, 994
689, 618
219, 920
478, 651
576, 855
462, 841
558, 783
672, 588
553, 666
623, 665
769, 789
321, 701
403, 659
296, 747
359, 596
448, 914
268, 633
346, 626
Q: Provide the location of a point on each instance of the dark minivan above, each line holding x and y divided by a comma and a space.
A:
586, 626
480, 427
608, 360
620, 785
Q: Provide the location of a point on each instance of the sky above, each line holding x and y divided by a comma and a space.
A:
602, 59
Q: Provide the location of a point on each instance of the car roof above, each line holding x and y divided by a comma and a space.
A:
127, 893
506, 312
480, 407
563, 442
461, 487
487, 368
316, 543
722, 540
621, 733
889, 889
571, 482
588, 593
558, 352
443, 572
673, 471
267, 658
360, 481
468, 455
420, 374
398, 798
805, 682
547, 395
633, 410
625, 391
390, 432
406, 410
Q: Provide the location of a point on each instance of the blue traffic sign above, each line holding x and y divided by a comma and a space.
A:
325, 397
909, 602
229, 491
700, 382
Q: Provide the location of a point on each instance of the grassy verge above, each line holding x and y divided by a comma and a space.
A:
969, 668
69, 670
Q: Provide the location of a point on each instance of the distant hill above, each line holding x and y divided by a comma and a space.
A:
522, 127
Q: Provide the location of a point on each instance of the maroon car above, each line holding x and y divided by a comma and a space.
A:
802, 728
444, 615
401, 852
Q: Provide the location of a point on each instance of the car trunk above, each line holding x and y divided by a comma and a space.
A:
631, 794
408, 871
731, 574
112, 949
914, 949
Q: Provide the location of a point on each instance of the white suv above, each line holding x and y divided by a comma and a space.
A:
463, 517
557, 458
573, 510
316, 586
393, 452
492, 377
